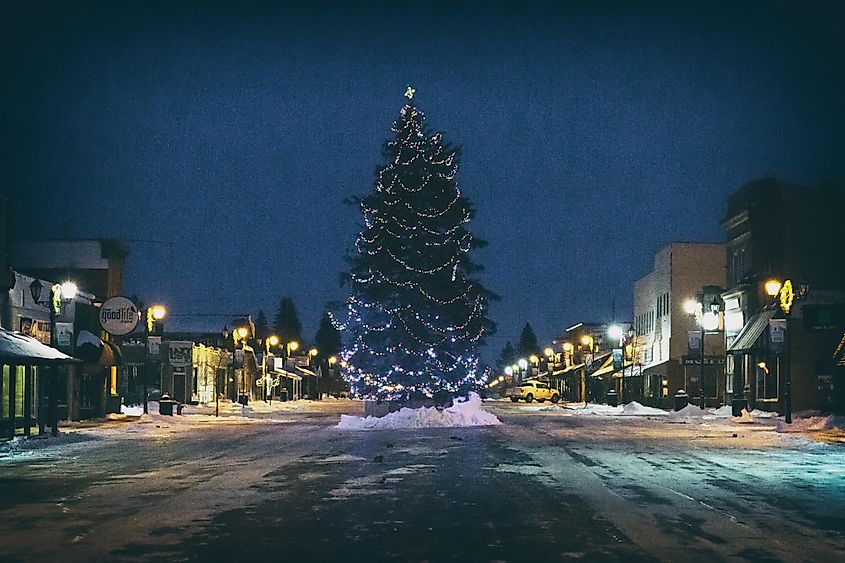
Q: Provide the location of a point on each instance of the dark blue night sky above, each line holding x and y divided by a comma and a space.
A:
232, 135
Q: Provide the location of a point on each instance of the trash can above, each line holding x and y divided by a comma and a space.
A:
681, 399
612, 398
738, 405
283, 395
243, 399
165, 405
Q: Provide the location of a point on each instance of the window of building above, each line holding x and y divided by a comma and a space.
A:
113, 381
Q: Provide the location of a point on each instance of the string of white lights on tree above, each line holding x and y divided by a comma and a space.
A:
416, 312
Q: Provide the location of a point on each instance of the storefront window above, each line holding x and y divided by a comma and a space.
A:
113, 381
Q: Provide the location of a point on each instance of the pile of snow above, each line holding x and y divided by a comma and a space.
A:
134, 410
691, 413
757, 413
636, 409
631, 409
467, 413
723, 411
813, 424
596, 409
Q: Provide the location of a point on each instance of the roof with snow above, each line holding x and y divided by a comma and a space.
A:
16, 347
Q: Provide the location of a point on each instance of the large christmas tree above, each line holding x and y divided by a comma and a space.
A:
417, 313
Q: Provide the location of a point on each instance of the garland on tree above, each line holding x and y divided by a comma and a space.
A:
416, 314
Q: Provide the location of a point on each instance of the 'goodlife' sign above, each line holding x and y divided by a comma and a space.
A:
119, 316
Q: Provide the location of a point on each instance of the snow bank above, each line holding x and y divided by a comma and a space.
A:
723, 411
596, 409
468, 413
636, 409
813, 424
631, 409
133, 411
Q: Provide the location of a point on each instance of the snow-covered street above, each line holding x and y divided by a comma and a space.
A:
549, 483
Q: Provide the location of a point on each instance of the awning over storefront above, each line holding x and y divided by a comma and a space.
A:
18, 348
307, 371
752, 330
285, 373
91, 349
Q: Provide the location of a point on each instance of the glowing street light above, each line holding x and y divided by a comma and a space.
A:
614, 331
273, 340
242, 332
68, 290
691, 306
773, 287
549, 352
159, 312
523, 364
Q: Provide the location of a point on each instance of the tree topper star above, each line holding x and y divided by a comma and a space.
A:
409, 93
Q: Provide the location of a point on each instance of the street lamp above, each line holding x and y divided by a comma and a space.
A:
154, 314
270, 341
241, 334
785, 296
312, 353
59, 295
588, 341
707, 320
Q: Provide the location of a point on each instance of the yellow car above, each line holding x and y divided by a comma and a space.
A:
530, 390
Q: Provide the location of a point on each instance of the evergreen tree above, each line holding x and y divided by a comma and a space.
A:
527, 344
417, 311
262, 329
286, 323
327, 339
328, 342
507, 357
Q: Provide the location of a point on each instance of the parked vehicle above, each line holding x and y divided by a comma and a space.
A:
530, 390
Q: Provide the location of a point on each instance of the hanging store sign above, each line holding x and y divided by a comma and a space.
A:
180, 353
64, 334
119, 316
694, 343
777, 334
154, 345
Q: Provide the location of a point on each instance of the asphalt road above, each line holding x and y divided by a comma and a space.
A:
542, 487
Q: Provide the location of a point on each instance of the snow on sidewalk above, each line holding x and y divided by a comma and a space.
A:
467, 413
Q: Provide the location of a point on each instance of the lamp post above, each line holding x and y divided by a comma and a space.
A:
290, 346
312, 353
550, 357
625, 339
588, 341
330, 374
785, 295
708, 321
59, 295
270, 341
241, 333
154, 315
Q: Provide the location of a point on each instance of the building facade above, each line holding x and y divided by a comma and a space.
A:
662, 327
778, 231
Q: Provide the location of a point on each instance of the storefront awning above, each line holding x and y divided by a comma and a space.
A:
93, 350
307, 371
18, 348
285, 373
752, 330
